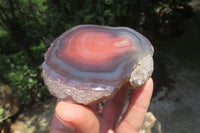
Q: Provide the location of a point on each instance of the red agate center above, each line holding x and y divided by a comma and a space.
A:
95, 47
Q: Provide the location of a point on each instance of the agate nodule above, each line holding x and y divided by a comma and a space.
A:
90, 63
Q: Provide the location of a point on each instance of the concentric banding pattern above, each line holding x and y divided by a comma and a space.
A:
110, 64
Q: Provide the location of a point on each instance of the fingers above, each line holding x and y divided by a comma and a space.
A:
113, 108
139, 103
56, 126
78, 118
81, 119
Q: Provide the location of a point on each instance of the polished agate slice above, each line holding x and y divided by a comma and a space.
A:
90, 63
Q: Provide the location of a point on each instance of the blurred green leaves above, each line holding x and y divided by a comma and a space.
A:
25, 79
2, 118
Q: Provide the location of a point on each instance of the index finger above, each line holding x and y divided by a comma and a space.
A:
139, 103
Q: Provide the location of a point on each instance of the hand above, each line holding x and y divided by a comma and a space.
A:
86, 119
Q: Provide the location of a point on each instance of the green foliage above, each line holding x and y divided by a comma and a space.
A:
25, 21
2, 118
38, 51
148, 14
25, 79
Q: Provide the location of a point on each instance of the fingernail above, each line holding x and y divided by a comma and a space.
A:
110, 131
68, 125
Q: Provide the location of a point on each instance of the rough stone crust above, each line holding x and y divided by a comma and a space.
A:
142, 72
76, 95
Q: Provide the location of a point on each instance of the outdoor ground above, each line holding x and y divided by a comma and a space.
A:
36, 119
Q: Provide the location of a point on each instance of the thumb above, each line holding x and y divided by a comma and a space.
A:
77, 118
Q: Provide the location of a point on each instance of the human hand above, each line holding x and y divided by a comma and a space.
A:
86, 119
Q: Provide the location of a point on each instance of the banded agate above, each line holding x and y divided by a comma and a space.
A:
90, 63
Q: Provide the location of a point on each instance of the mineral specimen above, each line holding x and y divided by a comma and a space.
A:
90, 63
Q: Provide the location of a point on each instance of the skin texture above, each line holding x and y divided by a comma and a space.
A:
85, 119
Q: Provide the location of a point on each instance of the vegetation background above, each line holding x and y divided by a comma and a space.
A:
27, 28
